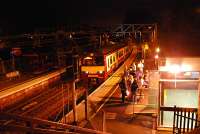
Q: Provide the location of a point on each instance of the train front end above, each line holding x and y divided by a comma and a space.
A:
92, 69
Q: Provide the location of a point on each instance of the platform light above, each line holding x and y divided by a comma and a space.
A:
70, 36
91, 54
88, 58
149, 27
156, 56
186, 67
175, 68
157, 50
146, 46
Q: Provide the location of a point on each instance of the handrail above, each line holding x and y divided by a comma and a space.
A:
39, 125
163, 108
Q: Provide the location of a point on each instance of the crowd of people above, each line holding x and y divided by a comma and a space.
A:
131, 84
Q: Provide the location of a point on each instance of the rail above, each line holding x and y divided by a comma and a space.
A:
34, 125
99, 97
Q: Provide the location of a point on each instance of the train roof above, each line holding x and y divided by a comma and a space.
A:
104, 50
110, 49
107, 49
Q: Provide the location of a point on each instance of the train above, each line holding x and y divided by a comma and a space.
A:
98, 65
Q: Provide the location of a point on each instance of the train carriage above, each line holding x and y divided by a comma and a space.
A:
97, 66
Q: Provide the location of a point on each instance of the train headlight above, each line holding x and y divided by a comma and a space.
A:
86, 72
100, 72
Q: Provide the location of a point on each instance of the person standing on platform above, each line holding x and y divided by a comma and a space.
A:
122, 86
134, 88
129, 82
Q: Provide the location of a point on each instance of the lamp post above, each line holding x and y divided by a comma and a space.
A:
156, 61
157, 57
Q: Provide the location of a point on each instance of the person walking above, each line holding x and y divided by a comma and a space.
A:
134, 88
122, 86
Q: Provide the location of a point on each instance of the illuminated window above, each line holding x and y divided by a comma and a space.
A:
110, 59
113, 58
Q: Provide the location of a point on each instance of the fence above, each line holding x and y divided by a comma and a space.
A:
184, 119
22, 124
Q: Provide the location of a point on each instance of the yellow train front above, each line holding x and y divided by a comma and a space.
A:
98, 65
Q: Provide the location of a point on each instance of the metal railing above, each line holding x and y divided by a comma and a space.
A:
185, 120
33, 125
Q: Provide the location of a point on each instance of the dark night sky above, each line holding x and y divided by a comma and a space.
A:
178, 20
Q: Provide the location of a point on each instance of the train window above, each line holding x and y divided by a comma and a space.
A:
87, 62
110, 59
108, 62
127, 49
120, 53
113, 58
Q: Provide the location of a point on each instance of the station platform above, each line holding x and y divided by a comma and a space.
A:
14, 91
107, 113
118, 117
127, 118
6, 83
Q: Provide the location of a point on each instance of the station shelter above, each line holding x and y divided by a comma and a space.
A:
178, 86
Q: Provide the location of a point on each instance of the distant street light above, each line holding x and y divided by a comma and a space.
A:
156, 56
157, 50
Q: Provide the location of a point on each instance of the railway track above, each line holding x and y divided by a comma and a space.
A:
45, 105
23, 79
19, 108
47, 102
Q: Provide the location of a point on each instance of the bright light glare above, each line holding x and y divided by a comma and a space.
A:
158, 50
156, 56
100, 72
88, 58
185, 67
174, 68
140, 65
127, 92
